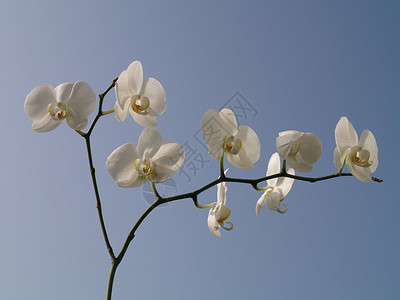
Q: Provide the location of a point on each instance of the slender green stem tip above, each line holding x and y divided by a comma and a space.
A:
107, 112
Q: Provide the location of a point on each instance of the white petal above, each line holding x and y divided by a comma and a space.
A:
250, 143
274, 167
76, 121
229, 119
345, 135
212, 223
135, 77
285, 183
153, 90
214, 133
120, 165
361, 173
222, 214
221, 193
144, 120
240, 160
45, 124
122, 91
285, 140
367, 141
310, 148
260, 203
298, 164
37, 101
273, 200
167, 161
82, 99
120, 113
338, 159
63, 92
150, 141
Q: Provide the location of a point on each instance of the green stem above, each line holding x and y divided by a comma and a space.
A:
100, 112
107, 112
97, 194
86, 136
221, 166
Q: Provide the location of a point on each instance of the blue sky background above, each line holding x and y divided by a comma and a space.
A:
300, 65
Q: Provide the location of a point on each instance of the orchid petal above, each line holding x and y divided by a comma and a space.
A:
144, 120
345, 135
367, 141
76, 120
82, 99
273, 200
285, 183
213, 132
240, 160
310, 148
260, 203
167, 161
120, 166
229, 119
38, 100
361, 173
274, 167
45, 124
122, 91
338, 159
221, 193
135, 77
150, 141
63, 91
213, 225
121, 113
251, 143
153, 90
285, 140
299, 165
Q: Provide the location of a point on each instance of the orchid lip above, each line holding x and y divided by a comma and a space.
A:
143, 167
232, 145
58, 111
141, 104
361, 157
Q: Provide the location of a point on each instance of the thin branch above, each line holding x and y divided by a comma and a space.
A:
86, 136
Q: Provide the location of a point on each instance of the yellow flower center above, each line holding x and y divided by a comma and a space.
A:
143, 167
57, 111
232, 145
141, 105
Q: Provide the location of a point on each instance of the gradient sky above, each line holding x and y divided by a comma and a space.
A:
297, 65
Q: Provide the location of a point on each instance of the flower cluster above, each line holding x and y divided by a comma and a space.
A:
157, 160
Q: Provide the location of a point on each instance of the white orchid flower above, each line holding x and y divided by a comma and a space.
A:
241, 146
300, 150
220, 212
48, 107
361, 157
277, 189
152, 159
143, 99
